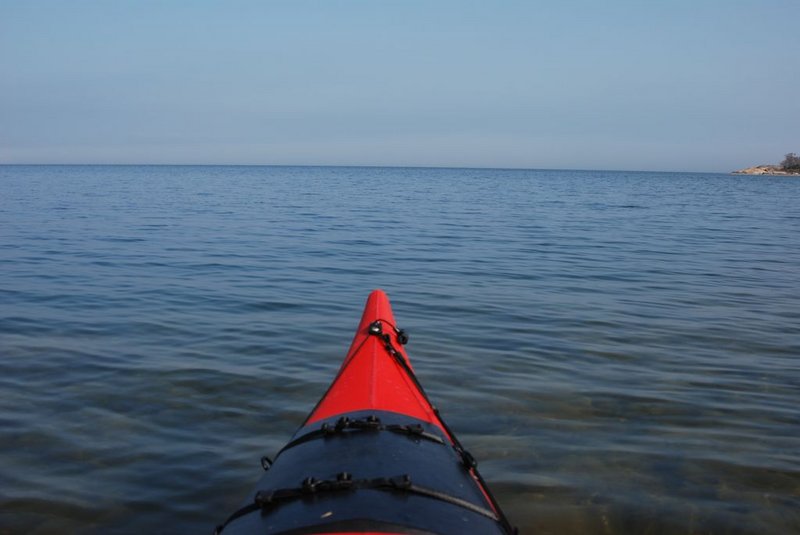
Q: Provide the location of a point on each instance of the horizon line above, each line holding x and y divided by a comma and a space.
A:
364, 166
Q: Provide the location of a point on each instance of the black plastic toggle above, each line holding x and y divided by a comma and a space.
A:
262, 498
342, 423
402, 337
266, 463
371, 422
310, 485
468, 460
403, 482
375, 327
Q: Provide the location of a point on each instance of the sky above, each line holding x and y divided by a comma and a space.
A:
672, 85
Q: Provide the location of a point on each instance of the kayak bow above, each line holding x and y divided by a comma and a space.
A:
374, 456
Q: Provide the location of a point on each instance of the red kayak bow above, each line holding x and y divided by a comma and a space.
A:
374, 456
376, 374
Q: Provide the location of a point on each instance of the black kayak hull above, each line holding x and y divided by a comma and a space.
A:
373, 456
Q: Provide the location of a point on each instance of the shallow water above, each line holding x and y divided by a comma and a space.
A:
619, 350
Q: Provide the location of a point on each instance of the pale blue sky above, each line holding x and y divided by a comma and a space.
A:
701, 85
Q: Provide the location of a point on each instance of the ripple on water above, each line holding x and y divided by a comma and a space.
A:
618, 349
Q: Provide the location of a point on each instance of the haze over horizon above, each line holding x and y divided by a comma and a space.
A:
686, 86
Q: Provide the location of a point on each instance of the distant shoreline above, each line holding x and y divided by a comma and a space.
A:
771, 170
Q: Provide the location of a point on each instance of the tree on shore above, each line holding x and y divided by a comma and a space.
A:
791, 162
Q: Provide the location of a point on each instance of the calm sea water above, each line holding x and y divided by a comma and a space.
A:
619, 350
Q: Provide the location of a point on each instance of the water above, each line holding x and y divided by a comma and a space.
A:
619, 350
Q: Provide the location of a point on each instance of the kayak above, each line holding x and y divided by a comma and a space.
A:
374, 456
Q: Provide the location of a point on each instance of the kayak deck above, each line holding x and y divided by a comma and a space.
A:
373, 456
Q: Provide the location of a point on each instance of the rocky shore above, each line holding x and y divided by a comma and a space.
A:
767, 170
